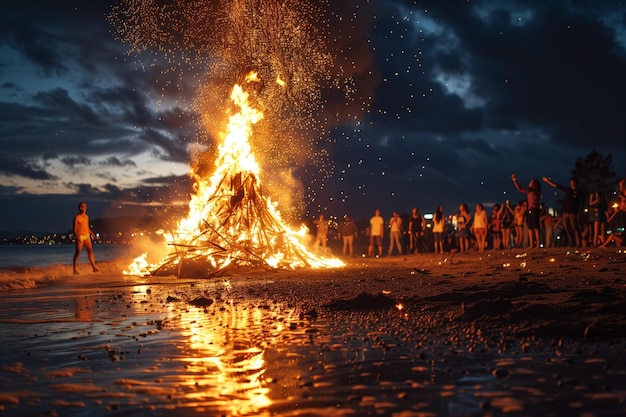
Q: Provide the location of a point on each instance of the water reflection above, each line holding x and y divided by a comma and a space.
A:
224, 357
84, 305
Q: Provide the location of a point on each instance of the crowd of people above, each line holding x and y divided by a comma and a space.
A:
584, 220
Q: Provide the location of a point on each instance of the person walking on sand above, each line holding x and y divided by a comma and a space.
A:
377, 231
82, 234
533, 197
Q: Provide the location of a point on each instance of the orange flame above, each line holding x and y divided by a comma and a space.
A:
229, 219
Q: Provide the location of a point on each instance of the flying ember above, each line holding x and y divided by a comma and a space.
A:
230, 221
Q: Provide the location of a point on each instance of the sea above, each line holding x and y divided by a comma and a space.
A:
32, 266
47, 255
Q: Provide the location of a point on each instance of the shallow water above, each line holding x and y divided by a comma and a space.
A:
147, 346
45, 255
31, 266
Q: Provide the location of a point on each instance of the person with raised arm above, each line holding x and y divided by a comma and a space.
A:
570, 209
533, 198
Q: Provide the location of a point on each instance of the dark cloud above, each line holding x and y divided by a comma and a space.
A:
37, 46
10, 189
117, 163
72, 161
560, 69
24, 168
50, 129
113, 190
172, 150
84, 189
68, 108
131, 107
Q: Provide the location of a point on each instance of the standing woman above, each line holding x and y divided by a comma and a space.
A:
496, 226
519, 214
462, 223
417, 224
395, 231
599, 206
439, 224
479, 227
508, 217
533, 196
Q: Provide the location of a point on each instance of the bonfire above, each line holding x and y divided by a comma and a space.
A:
230, 222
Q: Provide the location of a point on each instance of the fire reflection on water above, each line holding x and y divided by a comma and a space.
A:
224, 361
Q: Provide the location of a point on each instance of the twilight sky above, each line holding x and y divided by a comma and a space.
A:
443, 101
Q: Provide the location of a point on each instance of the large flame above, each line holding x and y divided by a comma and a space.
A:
229, 219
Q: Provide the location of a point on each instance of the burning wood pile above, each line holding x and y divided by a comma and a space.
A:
230, 222
241, 230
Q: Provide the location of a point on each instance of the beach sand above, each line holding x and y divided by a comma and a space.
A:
515, 333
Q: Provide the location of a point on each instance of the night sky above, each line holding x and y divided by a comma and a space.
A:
437, 103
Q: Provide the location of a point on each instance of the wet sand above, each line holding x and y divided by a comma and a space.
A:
514, 333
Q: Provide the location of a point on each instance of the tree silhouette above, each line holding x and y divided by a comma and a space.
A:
595, 172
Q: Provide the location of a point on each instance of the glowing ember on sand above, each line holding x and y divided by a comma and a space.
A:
230, 221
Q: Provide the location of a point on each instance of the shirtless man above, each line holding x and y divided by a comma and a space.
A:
83, 234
